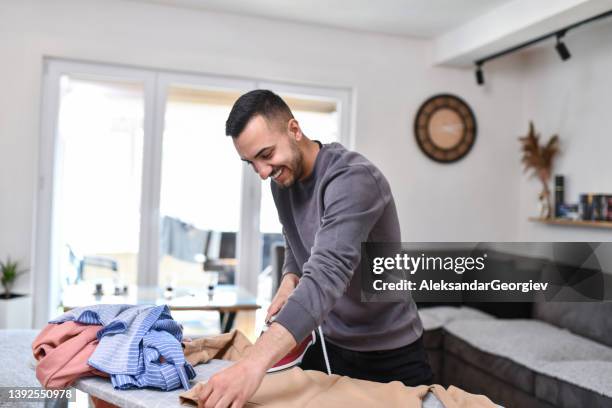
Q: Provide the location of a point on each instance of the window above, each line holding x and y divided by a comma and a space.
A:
124, 150
100, 141
200, 189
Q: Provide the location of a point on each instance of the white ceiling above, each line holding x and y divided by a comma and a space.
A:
414, 18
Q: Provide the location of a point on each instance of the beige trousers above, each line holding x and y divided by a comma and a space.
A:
296, 388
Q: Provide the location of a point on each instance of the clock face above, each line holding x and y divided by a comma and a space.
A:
445, 128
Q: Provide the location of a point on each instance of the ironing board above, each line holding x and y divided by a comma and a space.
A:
15, 351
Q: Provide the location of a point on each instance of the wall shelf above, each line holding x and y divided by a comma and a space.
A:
561, 221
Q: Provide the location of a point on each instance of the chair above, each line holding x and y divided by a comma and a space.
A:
277, 253
80, 261
220, 253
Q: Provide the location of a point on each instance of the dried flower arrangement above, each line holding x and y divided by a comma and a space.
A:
539, 159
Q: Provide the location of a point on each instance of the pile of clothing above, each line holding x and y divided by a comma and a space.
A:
136, 346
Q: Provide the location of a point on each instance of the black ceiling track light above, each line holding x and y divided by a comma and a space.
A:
479, 75
560, 46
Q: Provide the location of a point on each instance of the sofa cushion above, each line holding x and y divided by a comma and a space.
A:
526, 352
495, 365
472, 379
435, 318
576, 384
439, 316
432, 329
589, 319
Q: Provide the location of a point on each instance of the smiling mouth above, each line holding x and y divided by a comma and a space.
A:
277, 173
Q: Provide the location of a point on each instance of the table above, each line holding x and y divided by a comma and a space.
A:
225, 299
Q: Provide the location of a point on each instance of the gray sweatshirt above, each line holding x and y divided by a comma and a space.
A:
344, 202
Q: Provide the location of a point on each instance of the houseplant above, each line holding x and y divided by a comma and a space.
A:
9, 272
539, 159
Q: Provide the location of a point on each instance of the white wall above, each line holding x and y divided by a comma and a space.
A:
574, 100
474, 199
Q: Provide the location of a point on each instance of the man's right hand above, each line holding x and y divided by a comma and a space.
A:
287, 285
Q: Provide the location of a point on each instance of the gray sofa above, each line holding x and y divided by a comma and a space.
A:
562, 357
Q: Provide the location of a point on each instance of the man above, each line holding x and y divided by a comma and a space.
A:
329, 201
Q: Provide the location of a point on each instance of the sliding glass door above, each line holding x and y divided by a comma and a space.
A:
99, 162
139, 185
201, 184
92, 179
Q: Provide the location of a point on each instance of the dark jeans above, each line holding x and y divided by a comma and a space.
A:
408, 364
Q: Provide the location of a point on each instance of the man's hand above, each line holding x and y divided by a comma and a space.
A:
287, 285
234, 386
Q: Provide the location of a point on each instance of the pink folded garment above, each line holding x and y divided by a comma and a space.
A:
62, 351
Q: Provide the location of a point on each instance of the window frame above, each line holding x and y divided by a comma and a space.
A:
156, 82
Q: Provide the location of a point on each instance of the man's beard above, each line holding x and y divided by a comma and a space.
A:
296, 165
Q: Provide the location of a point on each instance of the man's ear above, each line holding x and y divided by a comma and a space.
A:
293, 127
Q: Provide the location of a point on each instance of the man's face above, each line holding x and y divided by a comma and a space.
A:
271, 151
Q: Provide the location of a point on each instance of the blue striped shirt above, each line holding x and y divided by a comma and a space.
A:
133, 342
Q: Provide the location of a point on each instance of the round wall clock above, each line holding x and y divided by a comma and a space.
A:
445, 128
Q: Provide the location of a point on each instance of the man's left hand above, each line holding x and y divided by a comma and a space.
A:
233, 386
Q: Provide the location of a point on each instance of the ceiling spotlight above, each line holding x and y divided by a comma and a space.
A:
479, 75
562, 50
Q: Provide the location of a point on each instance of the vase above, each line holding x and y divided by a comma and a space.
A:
545, 203
16, 312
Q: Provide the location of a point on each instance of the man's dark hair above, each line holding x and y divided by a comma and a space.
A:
259, 102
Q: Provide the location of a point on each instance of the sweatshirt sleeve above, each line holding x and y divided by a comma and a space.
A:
353, 202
